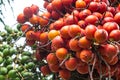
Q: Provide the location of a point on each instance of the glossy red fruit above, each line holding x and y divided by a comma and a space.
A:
80, 4
34, 8
46, 14
51, 26
45, 70
108, 14
111, 50
43, 37
25, 27
114, 35
84, 13
21, 18
30, 35
34, 20
64, 32
70, 19
84, 42
58, 24
37, 35
86, 55
54, 68
55, 15
28, 12
117, 18
102, 7
65, 74
74, 30
44, 20
73, 45
57, 5
51, 58
93, 6
90, 30
57, 43
91, 19
107, 19
82, 67
101, 35
99, 15
109, 26
71, 64
108, 51
61, 53
49, 7
82, 24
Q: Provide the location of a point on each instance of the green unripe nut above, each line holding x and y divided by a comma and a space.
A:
12, 74
13, 51
20, 68
1, 60
31, 65
27, 53
3, 70
6, 52
24, 59
1, 54
2, 77
9, 67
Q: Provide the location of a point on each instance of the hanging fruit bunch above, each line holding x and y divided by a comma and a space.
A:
75, 39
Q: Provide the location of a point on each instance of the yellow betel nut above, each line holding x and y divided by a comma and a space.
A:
53, 33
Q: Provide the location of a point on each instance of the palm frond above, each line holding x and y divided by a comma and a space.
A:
1, 20
1, 13
9, 2
3, 3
